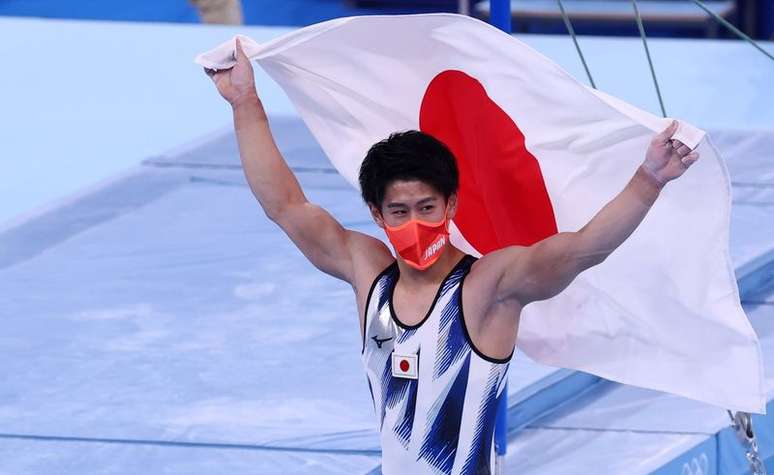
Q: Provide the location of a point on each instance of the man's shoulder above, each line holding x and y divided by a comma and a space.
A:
369, 262
493, 264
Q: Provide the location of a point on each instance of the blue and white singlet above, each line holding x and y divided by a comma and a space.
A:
435, 395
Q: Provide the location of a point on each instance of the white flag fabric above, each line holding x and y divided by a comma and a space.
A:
540, 153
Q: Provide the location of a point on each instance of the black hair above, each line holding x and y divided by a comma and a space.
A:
410, 155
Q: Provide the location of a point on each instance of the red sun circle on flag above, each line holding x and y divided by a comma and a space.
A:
503, 199
404, 365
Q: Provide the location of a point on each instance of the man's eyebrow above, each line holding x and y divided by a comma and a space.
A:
404, 205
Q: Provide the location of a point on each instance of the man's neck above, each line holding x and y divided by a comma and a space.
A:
434, 274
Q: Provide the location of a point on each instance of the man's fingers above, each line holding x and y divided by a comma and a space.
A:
216, 75
690, 159
240, 53
667, 133
213, 74
683, 150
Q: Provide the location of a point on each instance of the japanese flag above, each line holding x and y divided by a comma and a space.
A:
540, 153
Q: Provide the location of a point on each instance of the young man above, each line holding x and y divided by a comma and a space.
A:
435, 351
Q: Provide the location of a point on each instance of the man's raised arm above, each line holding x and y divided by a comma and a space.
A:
543, 270
329, 246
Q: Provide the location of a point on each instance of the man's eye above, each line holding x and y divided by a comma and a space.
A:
427, 208
399, 212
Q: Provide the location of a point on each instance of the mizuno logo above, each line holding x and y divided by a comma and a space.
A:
379, 342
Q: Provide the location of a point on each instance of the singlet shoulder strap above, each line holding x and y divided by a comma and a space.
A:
389, 272
468, 261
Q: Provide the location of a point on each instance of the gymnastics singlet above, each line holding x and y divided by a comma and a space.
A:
435, 395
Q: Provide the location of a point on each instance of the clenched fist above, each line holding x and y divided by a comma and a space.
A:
238, 83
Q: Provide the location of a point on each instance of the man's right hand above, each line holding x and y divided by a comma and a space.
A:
237, 84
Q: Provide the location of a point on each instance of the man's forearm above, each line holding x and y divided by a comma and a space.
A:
614, 223
268, 175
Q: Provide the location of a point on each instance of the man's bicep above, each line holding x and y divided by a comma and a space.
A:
319, 236
324, 241
537, 272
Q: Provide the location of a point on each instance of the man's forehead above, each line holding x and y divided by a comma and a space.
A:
413, 189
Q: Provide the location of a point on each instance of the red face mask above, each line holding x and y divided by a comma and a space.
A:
419, 243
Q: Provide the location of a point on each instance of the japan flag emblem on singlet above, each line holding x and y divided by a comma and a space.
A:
405, 366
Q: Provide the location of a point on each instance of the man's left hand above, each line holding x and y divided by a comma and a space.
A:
668, 158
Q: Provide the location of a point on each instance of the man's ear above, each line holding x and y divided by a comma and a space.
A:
376, 213
451, 206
